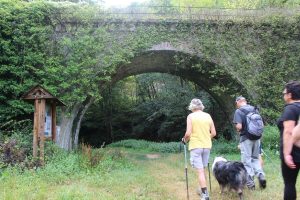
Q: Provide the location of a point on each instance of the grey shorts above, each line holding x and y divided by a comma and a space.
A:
199, 157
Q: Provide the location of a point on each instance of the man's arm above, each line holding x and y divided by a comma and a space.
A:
237, 120
238, 127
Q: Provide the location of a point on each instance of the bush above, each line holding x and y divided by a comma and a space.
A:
271, 138
91, 157
21, 131
11, 153
171, 147
222, 146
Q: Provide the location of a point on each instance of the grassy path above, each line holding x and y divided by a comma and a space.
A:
144, 176
164, 170
168, 172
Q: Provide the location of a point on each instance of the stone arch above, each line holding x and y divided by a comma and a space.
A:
163, 60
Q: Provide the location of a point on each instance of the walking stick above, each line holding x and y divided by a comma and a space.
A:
209, 178
186, 174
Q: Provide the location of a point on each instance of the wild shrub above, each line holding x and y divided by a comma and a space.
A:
91, 157
270, 139
86, 151
131, 144
170, 147
21, 131
222, 146
97, 156
11, 153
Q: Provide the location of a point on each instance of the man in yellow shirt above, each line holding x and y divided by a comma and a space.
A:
199, 131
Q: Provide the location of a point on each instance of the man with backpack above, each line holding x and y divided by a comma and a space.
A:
249, 125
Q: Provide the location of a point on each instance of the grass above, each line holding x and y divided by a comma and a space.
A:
126, 174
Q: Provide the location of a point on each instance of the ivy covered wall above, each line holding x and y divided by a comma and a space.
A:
75, 55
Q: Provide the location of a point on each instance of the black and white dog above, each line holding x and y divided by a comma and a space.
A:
230, 174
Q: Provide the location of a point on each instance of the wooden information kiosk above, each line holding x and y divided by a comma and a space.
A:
44, 126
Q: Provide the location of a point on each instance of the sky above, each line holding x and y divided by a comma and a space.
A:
120, 3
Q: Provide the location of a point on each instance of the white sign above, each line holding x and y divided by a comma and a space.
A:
48, 122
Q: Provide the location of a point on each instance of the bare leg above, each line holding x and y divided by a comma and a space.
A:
201, 178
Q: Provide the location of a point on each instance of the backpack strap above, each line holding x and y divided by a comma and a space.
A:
244, 123
245, 111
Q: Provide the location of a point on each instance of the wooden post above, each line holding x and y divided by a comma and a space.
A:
53, 116
42, 104
40, 96
35, 129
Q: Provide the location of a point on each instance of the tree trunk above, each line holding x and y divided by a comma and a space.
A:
64, 139
78, 119
67, 138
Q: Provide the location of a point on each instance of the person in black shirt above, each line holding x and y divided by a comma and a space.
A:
289, 153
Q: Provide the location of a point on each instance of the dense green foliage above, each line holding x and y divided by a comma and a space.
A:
77, 61
23, 48
205, 3
148, 106
271, 138
37, 47
171, 147
220, 146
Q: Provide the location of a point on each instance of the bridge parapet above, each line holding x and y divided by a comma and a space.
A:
176, 13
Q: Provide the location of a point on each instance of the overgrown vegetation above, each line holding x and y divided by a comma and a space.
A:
94, 173
61, 47
221, 146
250, 4
39, 45
62, 171
148, 106
170, 147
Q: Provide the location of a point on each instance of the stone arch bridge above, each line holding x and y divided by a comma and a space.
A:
209, 52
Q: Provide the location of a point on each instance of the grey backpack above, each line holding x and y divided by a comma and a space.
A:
254, 124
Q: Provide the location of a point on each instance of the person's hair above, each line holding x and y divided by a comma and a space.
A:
240, 98
293, 87
196, 104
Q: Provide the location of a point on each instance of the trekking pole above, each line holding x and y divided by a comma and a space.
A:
209, 178
186, 174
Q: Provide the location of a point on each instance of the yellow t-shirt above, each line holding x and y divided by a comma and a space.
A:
200, 137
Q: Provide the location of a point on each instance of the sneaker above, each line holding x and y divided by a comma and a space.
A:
204, 196
262, 181
250, 183
251, 187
